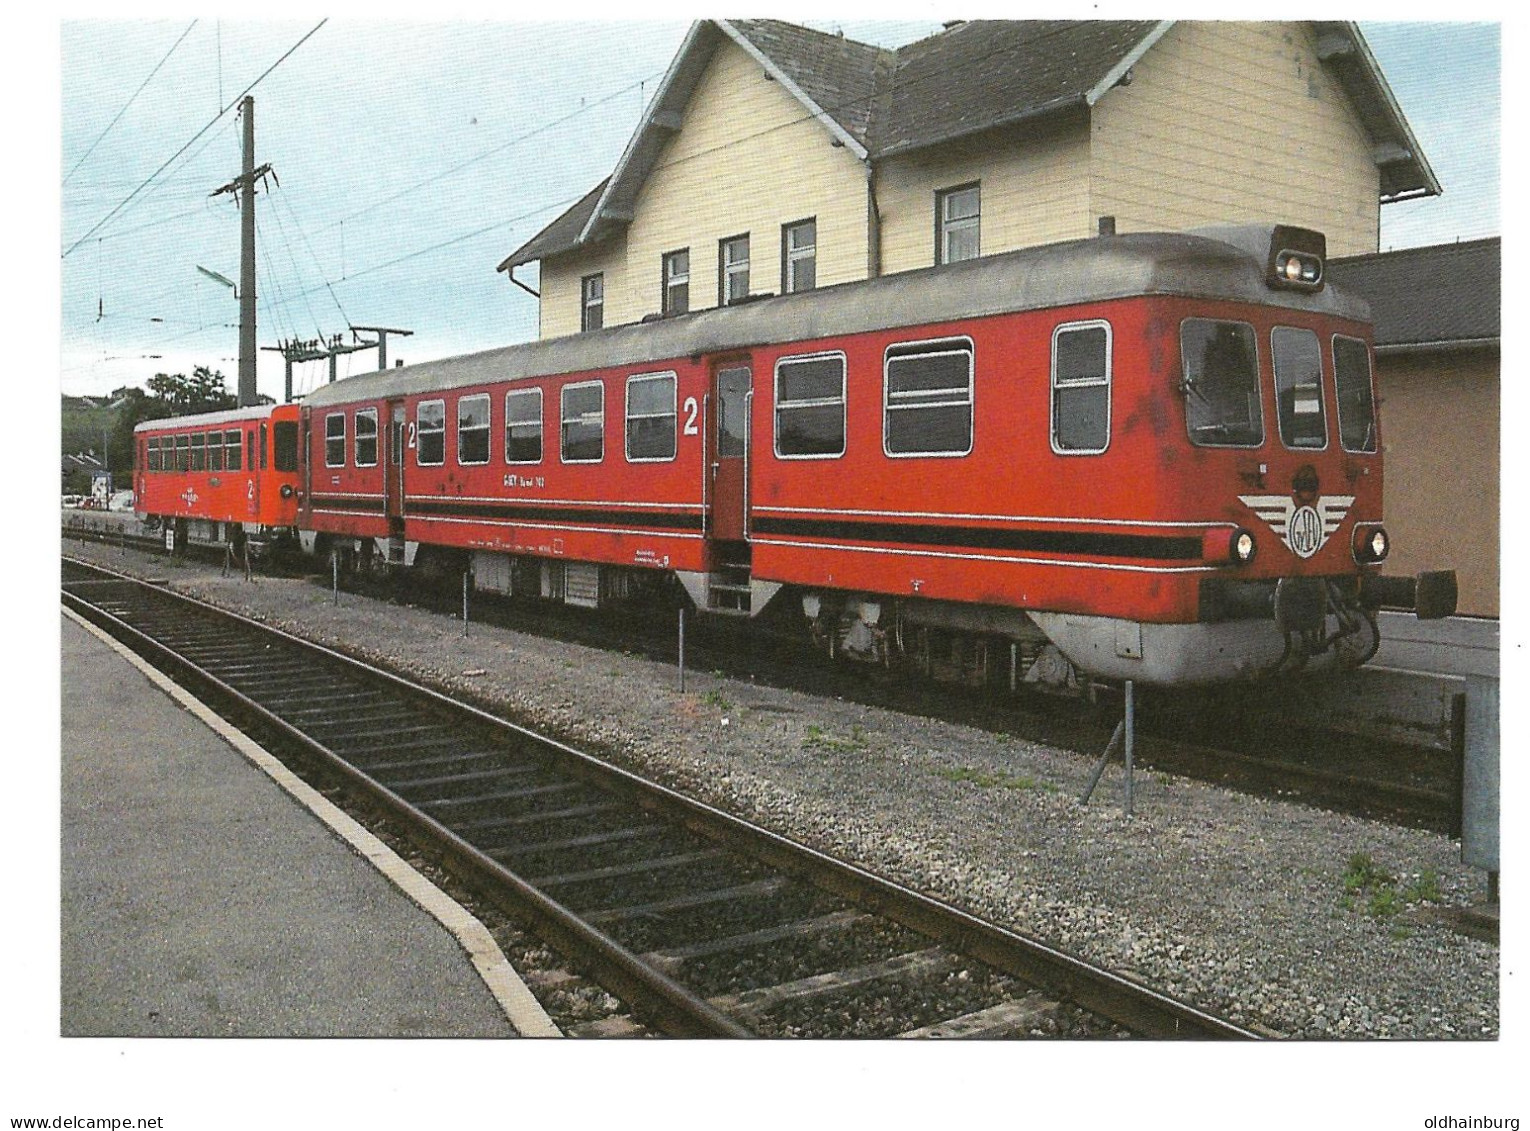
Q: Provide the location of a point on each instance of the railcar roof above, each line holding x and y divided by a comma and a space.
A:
209, 419
1063, 274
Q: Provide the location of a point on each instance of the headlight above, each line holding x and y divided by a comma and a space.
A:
287, 490
1243, 547
1371, 545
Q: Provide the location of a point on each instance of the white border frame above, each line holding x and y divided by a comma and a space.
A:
563, 420
844, 403
673, 414
1109, 382
913, 350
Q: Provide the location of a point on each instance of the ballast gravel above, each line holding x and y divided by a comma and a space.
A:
1237, 904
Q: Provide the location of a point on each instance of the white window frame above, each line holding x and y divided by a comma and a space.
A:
368, 414
564, 421
1108, 381
540, 420
487, 428
420, 430
945, 226
330, 420
235, 445
791, 256
843, 400
729, 269
587, 303
903, 350
673, 413
673, 280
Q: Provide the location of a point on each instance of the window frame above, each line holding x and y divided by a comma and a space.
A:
843, 401
215, 450
1322, 393
1108, 382
541, 421
727, 269
898, 351
563, 420
674, 415
791, 257
152, 460
587, 303
199, 451
368, 414
487, 428
1370, 370
668, 281
333, 440
233, 449
944, 226
419, 432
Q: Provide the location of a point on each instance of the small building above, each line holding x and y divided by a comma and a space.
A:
1436, 313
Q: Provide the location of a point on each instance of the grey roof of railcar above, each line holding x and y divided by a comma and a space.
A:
207, 419
1063, 274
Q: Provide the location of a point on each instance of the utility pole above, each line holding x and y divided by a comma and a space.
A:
382, 333
314, 349
243, 189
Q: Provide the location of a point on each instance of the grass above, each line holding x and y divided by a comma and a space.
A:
1368, 884
984, 780
719, 700
817, 740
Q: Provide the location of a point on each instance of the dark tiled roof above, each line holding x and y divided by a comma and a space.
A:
1428, 296
990, 72
560, 235
839, 74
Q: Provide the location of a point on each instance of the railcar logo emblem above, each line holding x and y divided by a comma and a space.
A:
1304, 529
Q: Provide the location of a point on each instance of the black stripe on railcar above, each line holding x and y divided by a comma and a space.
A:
510, 512
1151, 547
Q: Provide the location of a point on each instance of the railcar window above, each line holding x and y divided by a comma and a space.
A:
233, 448
810, 406
584, 422
1221, 383
153, 460
651, 417
215, 451
183, 452
285, 445
523, 426
1299, 387
334, 440
430, 434
199, 451
366, 437
1081, 370
927, 399
473, 429
1357, 405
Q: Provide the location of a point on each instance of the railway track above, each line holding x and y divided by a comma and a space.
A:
703, 924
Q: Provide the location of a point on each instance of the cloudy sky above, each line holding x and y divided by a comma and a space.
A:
412, 158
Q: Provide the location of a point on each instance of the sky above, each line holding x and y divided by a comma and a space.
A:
411, 158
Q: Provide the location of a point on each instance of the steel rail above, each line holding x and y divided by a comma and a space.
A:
1127, 1002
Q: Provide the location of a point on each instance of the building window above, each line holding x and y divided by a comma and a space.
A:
523, 426
473, 429
799, 256
334, 440
1357, 404
956, 217
927, 399
677, 281
592, 297
732, 270
430, 434
810, 406
1081, 388
234, 447
366, 437
1299, 387
584, 422
651, 417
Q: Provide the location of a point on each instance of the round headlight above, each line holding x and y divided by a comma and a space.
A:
1243, 547
287, 490
1378, 544
1371, 545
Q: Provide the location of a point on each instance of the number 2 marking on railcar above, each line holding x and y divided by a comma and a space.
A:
411, 435
691, 410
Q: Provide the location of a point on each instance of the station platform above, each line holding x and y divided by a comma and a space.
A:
201, 898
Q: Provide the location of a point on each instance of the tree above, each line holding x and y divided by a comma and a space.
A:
169, 394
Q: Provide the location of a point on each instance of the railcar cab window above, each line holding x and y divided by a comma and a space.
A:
366, 437
927, 399
584, 422
153, 462
810, 406
473, 429
1299, 387
430, 434
1221, 383
677, 281
233, 447
334, 440
1081, 369
285, 445
1357, 404
523, 426
651, 417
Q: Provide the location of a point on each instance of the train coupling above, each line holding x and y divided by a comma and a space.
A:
1431, 595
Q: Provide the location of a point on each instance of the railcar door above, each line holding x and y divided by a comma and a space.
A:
729, 443
393, 479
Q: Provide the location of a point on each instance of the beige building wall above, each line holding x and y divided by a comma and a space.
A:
1220, 124
1439, 428
1034, 190
747, 159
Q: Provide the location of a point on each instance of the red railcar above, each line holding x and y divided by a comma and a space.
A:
1152, 457
220, 477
